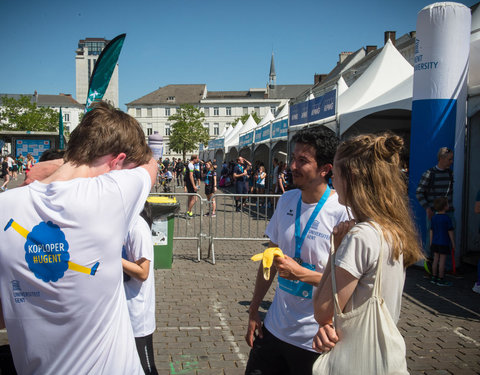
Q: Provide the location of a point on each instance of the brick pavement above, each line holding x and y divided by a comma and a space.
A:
202, 315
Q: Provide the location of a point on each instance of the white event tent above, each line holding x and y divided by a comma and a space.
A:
265, 120
232, 138
386, 84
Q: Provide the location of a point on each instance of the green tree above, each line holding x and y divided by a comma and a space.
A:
187, 130
245, 117
21, 114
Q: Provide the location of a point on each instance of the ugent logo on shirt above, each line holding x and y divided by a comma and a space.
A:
46, 251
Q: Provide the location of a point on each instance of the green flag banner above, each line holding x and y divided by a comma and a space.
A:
103, 70
61, 146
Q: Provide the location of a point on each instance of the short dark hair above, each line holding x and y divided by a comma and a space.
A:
323, 140
51, 154
439, 204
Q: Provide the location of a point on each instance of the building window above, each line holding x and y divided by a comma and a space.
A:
206, 110
257, 110
149, 112
167, 112
206, 125
272, 109
171, 99
149, 129
216, 127
229, 111
167, 129
245, 110
215, 111
66, 117
138, 112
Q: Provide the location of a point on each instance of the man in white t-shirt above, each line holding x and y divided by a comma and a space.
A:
301, 227
61, 289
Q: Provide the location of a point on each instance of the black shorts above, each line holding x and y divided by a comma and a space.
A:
241, 187
208, 189
441, 249
190, 187
271, 355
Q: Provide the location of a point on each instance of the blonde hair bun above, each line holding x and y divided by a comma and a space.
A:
388, 147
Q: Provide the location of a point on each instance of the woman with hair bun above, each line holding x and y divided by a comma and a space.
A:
368, 179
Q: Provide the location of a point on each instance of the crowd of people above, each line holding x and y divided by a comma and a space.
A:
77, 283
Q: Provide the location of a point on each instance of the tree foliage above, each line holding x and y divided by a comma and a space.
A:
23, 115
245, 117
187, 130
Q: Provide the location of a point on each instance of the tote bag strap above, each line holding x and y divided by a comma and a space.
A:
377, 289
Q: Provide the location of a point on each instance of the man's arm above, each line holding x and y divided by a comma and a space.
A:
422, 190
42, 170
190, 174
261, 288
289, 269
138, 269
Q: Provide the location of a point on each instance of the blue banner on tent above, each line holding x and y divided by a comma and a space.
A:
246, 139
262, 134
280, 129
314, 109
216, 143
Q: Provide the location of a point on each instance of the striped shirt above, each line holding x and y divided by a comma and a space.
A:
435, 183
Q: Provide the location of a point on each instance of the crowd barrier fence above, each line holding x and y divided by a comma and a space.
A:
239, 217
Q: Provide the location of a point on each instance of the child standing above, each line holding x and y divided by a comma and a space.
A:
441, 238
139, 287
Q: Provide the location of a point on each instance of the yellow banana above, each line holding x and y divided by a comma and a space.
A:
267, 259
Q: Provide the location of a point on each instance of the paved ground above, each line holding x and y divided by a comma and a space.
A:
202, 312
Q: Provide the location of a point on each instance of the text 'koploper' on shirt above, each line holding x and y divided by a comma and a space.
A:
61, 281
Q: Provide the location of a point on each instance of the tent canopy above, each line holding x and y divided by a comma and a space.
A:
266, 119
386, 84
233, 137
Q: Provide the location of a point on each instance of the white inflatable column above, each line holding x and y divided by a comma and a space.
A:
439, 96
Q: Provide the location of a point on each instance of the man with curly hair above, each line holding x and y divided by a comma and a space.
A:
300, 227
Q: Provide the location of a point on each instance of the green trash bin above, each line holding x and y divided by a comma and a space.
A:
163, 213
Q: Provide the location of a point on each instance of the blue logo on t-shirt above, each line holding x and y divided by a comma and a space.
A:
46, 251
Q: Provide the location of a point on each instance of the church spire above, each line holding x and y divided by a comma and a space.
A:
272, 77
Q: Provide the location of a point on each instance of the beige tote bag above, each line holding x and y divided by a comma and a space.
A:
369, 341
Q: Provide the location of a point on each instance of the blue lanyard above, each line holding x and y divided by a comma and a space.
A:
299, 239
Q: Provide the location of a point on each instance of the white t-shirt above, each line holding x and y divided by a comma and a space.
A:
358, 254
62, 315
290, 317
140, 294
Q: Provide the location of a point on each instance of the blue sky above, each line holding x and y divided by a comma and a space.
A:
225, 44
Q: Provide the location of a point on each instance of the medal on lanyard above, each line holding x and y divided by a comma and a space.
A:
300, 238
